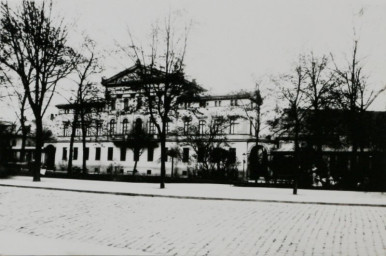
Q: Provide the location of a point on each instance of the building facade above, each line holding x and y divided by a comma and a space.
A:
112, 119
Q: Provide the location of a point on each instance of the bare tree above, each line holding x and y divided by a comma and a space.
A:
355, 96
255, 111
204, 139
33, 46
15, 90
161, 70
318, 92
86, 65
291, 92
174, 153
137, 140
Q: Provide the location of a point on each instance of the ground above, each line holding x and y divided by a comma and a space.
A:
170, 226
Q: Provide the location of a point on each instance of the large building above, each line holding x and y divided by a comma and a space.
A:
112, 121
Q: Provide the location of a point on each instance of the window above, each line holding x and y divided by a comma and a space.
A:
187, 105
201, 127
75, 153
218, 126
186, 127
200, 155
112, 127
13, 143
123, 154
110, 154
87, 152
112, 104
151, 127
125, 103
185, 155
97, 154
136, 154
139, 102
203, 104
138, 124
219, 103
88, 130
232, 155
99, 127
232, 127
64, 154
125, 126
150, 154
78, 131
236, 102
65, 128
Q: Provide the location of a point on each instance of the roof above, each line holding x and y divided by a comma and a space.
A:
131, 77
86, 104
226, 97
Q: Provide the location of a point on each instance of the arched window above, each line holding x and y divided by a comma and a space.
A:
138, 124
125, 126
151, 127
201, 127
112, 126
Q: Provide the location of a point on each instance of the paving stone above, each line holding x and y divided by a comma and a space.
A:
194, 227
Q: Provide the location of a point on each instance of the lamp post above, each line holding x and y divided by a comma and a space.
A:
244, 166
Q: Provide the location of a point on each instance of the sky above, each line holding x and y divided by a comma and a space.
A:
233, 44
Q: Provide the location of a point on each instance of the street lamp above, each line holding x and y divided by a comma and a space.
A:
244, 166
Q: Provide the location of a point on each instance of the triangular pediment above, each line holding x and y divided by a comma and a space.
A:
124, 77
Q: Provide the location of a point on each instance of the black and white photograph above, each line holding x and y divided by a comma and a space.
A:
181, 127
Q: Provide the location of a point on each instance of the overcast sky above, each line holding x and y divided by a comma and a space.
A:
234, 43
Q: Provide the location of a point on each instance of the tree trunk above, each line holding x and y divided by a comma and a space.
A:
163, 156
83, 125
23, 129
171, 175
23, 141
297, 158
135, 167
38, 149
257, 134
71, 149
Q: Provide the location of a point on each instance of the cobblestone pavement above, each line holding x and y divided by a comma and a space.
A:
194, 227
